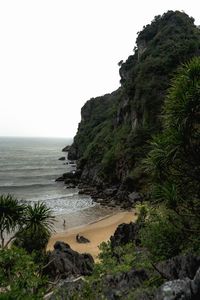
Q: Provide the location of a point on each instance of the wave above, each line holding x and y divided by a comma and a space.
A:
20, 168
53, 198
32, 185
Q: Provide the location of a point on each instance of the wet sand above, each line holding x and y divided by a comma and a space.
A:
97, 232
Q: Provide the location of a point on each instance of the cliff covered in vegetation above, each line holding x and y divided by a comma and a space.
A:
115, 129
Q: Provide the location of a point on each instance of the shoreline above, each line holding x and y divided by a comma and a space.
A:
97, 232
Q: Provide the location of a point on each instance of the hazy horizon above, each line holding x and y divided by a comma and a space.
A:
55, 56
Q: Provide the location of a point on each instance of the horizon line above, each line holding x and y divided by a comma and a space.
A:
31, 136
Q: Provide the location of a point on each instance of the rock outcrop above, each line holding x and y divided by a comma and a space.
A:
185, 289
125, 233
65, 262
115, 129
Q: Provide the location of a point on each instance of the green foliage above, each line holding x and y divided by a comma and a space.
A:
11, 216
174, 165
36, 232
30, 226
160, 236
19, 276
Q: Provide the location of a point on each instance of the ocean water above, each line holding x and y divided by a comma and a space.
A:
28, 169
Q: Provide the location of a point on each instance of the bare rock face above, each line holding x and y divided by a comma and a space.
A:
65, 262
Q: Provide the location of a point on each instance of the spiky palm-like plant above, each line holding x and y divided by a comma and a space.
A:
11, 217
175, 154
35, 234
174, 160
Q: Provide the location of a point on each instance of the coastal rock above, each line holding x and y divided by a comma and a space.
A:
70, 186
86, 191
134, 197
61, 178
125, 233
110, 192
72, 175
179, 267
65, 262
66, 149
72, 152
62, 158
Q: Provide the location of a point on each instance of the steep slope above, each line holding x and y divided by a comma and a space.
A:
115, 129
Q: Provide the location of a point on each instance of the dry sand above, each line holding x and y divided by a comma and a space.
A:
96, 232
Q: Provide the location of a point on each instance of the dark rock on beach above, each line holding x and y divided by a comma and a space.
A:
81, 239
125, 233
65, 262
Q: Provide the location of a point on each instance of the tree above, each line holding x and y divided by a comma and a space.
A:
30, 226
34, 235
174, 160
11, 217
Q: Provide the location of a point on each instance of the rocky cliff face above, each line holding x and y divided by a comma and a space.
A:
115, 129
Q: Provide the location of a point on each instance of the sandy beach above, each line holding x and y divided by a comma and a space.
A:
96, 232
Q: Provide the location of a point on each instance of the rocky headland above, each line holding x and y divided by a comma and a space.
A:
130, 150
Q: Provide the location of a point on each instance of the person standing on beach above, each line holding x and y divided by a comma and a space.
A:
64, 223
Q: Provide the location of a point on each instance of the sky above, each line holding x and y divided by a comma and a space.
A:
57, 54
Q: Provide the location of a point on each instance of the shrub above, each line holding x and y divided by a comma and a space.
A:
159, 235
19, 276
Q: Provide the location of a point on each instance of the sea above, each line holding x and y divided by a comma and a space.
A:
28, 170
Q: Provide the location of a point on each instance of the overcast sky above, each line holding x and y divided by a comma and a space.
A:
55, 55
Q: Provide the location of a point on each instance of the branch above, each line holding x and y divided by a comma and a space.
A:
8, 242
163, 275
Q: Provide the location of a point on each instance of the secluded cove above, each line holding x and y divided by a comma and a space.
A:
97, 232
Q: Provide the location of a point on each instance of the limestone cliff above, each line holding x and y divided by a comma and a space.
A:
115, 129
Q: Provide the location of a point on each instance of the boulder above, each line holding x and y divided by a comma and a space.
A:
81, 239
125, 233
62, 158
61, 178
65, 262
70, 186
86, 191
66, 149
72, 174
110, 192
134, 197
